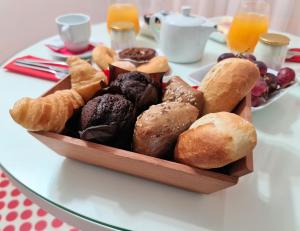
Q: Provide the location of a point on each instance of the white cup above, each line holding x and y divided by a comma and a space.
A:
74, 30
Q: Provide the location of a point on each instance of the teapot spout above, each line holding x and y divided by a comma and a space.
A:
209, 27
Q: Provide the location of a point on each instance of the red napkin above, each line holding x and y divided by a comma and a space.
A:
34, 73
106, 72
65, 51
296, 58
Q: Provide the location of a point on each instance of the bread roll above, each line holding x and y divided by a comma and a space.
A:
215, 140
227, 83
157, 129
179, 91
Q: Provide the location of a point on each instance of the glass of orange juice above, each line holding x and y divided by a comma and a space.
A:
123, 11
250, 21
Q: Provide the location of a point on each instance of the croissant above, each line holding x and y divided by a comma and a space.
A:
103, 56
48, 113
85, 79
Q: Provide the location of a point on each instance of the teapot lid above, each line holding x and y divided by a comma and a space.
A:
185, 19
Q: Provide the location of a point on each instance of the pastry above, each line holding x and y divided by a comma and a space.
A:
179, 91
155, 65
103, 56
138, 88
157, 129
215, 140
85, 79
49, 113
108, 119
227, 83
125, 65
137, 54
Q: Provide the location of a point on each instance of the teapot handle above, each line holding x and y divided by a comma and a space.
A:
153, 25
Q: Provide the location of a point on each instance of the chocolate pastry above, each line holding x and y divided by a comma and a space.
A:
137, 54
138, 87
108, 119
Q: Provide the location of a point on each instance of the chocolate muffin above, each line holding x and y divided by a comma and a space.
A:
108, 119
138, 87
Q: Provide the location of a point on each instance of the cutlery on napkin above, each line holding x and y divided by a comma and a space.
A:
57, 74
25, 70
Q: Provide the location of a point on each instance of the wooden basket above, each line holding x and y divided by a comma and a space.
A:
164, 171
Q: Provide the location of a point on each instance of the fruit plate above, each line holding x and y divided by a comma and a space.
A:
163, 171
198, 75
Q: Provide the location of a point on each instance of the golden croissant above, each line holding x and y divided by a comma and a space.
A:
48, 113
103, 56
85, 79
155, 65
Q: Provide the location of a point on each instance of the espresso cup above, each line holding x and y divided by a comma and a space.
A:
74, 30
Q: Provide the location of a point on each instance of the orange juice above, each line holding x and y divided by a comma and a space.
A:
123, 12
245, 31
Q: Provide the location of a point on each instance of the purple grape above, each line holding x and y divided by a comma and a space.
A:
262, 67
250, 57
257, 101
285, 77
226, 56
271, 81
260, 89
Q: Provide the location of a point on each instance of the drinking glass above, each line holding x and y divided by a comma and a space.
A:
123, 11
250, 21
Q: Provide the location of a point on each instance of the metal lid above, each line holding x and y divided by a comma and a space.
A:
274, 39
121, 26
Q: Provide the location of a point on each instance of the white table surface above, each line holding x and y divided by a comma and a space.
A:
268, 199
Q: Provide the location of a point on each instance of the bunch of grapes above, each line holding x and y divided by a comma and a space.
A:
268, 83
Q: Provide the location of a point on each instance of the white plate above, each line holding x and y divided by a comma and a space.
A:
198, 75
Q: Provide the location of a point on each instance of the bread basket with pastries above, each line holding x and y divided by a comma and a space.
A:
200, 139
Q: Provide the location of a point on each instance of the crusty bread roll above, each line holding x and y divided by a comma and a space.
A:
157, 129
227, 83
215, 140
179, 91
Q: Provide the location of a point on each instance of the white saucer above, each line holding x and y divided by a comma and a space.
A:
56, 41
85, 55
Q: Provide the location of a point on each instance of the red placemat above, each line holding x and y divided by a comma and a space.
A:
30, 72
